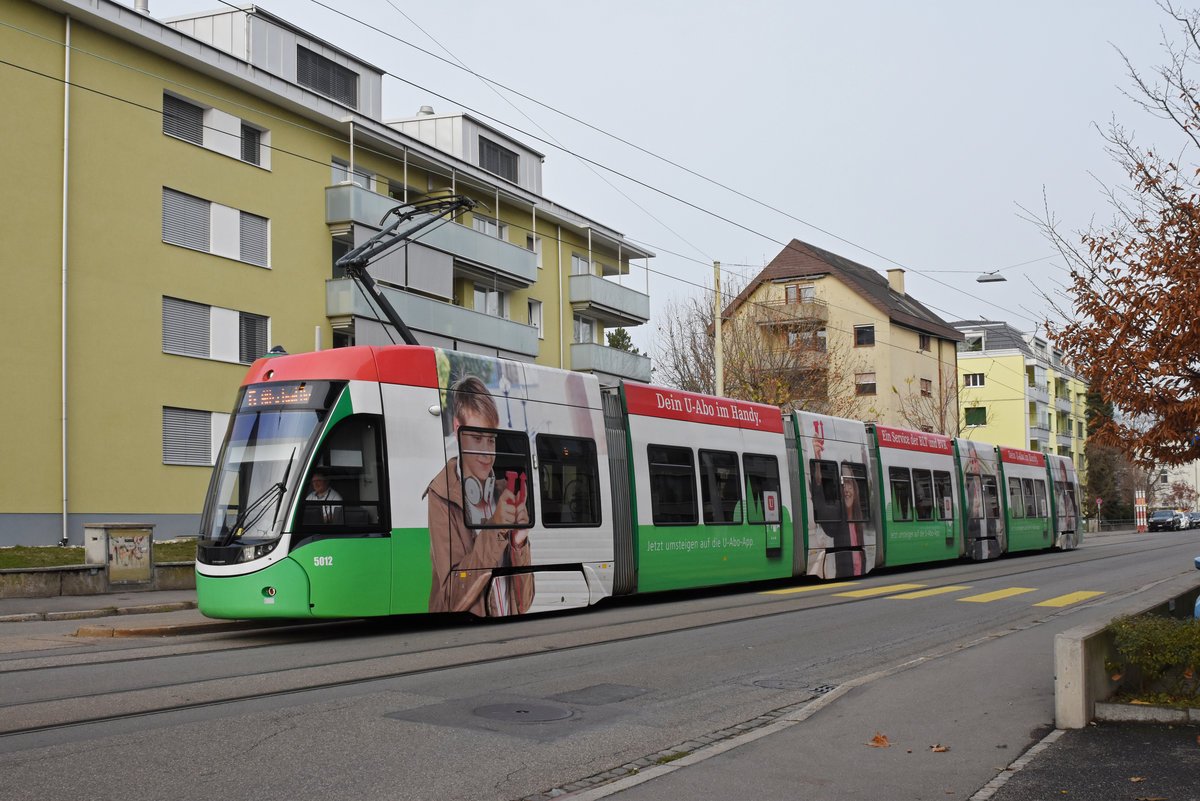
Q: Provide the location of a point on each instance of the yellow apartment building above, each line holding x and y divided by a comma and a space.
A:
869, 350
1017, 391
178, 193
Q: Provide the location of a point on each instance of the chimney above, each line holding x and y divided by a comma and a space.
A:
896, 280
425, 111
142, 7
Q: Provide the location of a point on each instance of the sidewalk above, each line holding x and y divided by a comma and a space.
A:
946, 741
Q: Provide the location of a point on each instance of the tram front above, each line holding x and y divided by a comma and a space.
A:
241, 564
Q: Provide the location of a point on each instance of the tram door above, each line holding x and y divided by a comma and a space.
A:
343, 532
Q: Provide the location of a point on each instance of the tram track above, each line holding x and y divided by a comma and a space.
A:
81, 709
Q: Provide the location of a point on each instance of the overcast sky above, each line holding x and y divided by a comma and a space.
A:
893, 133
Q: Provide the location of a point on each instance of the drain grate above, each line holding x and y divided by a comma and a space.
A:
523, 712
822, 689
781, 684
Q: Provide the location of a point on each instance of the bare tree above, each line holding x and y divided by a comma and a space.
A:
773, 354
683, 352
935, 410
1180, 495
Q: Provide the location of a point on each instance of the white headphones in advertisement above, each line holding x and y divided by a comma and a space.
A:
477, 491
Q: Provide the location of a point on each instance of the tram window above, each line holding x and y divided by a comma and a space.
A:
720, 487
826, 491
568, 481
991, 497
1030, 500
491, 462
346, 485
923, 494
672, 485
1039, 490
901, 493
974, 498
762, 476
839, 493
1072, 505
943, 491
855, 491
1015, 505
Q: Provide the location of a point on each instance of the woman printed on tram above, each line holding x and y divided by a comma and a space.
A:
465, 495
841, 518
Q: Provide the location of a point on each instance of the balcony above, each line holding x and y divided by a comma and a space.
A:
343, 300
1064, 441
1063, 404
478, 256
782, 312
609, 303
610, 362
1034, 392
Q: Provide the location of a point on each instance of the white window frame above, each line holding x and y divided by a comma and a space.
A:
535, 317
489, 226
198, 224
192, 437
219, 131
585, 326
580, 264
974, 379
534, 243
491, 302
339, 174
210, 332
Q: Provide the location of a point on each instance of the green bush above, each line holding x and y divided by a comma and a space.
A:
1165, 653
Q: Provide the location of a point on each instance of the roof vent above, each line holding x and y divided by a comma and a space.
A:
425, 111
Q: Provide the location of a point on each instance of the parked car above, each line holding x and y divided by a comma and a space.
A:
1196, 612
1194, 519
1165, 520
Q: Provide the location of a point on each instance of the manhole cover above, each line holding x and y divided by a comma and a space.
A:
523, 713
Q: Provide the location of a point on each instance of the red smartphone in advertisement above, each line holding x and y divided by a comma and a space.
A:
510, 477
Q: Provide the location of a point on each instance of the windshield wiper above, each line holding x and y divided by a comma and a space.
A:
258, 507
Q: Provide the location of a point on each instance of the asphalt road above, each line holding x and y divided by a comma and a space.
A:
799, 677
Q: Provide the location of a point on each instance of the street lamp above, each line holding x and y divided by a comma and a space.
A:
990, 278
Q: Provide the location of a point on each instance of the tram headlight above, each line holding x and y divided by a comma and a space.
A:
251, 552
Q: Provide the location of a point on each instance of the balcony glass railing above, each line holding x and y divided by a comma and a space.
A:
343, 299
612, 361
608, 302
514, 265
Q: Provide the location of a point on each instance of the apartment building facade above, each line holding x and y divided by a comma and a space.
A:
875, 353
182, 189
1016, 390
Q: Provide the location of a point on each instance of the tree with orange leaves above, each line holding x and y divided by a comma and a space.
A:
1134, 330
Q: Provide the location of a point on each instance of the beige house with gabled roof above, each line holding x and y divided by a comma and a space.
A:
861, 346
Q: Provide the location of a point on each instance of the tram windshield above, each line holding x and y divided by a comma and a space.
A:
272, 430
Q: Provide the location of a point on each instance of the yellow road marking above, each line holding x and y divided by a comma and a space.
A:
791, 590
934, 591
998, 594
1067, 600
867, 593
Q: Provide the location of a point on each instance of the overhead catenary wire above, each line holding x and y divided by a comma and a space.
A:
325, 164
592, 162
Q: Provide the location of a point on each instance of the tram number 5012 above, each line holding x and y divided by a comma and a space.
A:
322, 561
